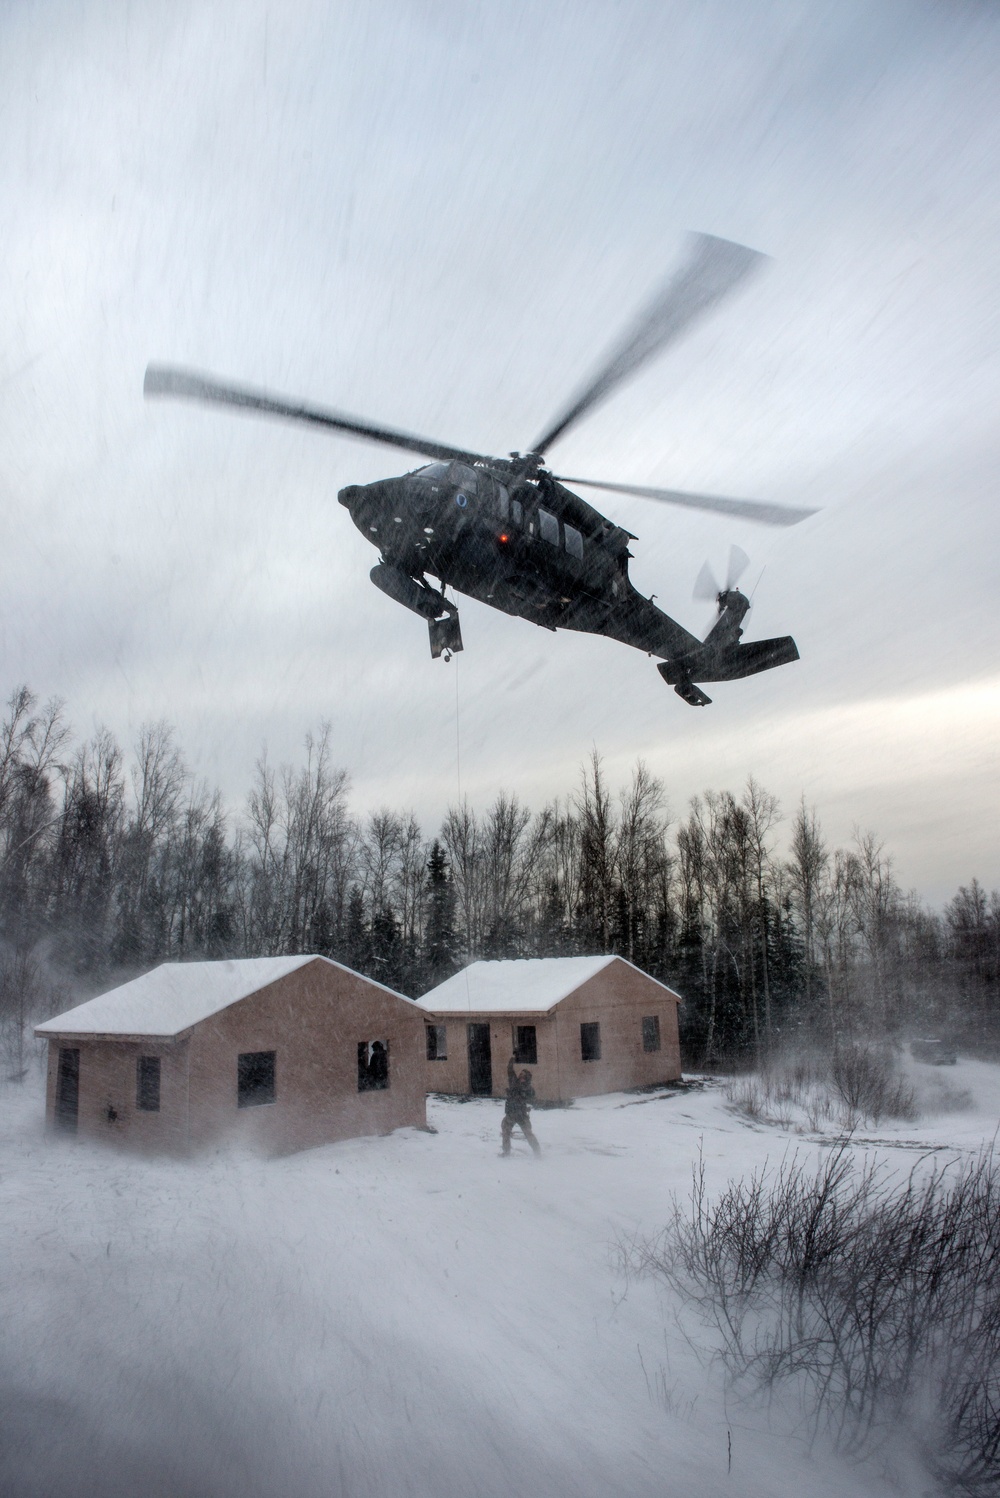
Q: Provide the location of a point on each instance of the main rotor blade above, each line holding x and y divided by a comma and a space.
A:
746, 509
164, 379
715, 267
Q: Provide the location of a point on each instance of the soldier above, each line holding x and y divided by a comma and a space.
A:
378, 1067
519, 1095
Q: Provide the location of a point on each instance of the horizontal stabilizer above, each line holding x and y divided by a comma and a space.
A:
748, 658
725, 663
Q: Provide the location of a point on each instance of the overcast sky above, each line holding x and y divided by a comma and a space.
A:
437, 214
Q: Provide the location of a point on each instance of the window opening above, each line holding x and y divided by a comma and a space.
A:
68, 1089
503, 502
526, 1045
437, 1042
574, 542
548, 525
590, 1042
147, 1084
517, 513
373, 1065
255, 1078
651, 1032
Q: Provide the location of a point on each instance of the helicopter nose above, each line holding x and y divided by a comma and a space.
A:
383, 494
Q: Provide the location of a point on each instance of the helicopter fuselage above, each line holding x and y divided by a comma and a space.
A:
516, 540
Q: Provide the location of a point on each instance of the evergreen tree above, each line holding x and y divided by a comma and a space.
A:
439, 955
386, 949
357, 946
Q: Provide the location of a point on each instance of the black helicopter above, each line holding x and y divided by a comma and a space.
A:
509, 532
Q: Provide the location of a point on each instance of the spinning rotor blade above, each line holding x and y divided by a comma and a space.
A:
163, 379
715, 267
746, 509
738, 564
706, 585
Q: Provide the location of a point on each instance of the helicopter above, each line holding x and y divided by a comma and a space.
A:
513, 534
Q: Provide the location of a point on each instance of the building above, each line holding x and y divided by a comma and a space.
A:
278, 1053
583, 1025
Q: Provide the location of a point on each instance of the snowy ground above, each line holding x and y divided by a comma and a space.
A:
408, 1315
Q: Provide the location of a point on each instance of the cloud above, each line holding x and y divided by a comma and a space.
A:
438, 216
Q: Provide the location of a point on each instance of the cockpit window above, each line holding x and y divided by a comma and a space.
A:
466, 478
459, 474
503, 502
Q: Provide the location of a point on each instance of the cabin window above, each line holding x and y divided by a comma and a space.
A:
255, 1078
147, 1084
651, 1032
574, 542
517, 513
590, 1042
437, 1042
373, 1065
503, 502
548, 525
526, 1045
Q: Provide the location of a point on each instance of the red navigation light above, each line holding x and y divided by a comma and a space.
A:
504, 536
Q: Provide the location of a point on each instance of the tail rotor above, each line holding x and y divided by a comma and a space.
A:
707, 588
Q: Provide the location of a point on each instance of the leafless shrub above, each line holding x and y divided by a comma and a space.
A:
820, 1111
746, 1095
758, 1099
870, 1086
858, 1085
878, 1299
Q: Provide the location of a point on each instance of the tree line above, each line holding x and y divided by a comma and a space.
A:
113, 861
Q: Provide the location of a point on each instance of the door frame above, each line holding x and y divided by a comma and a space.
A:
67, 1102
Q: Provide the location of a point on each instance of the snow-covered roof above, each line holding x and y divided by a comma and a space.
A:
524, 985
173, 997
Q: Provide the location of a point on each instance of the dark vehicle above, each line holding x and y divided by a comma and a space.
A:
510, 533
933, 1052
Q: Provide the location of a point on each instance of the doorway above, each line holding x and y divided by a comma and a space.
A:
68, 1090
480, 1061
